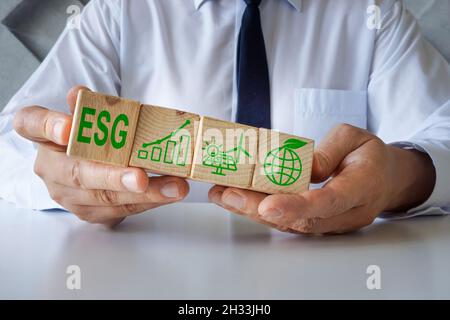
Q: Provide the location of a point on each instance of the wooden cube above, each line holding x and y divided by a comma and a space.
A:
284, 163
225, 153
164, 141
103, 128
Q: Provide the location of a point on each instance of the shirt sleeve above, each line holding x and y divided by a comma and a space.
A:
409, 99
87, 53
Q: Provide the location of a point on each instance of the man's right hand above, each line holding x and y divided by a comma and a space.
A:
94, 192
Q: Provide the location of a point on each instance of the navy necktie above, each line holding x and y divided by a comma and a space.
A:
253, 107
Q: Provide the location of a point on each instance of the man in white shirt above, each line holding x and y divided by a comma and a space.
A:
328, 65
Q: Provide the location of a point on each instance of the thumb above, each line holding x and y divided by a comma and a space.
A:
340, 141
320, 167
72, 97
41, 125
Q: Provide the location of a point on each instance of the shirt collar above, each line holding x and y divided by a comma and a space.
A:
297, 4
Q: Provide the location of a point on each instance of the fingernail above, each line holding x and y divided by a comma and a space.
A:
58, 129
217, 197
170, 190
234, 200
272, 214
129, 181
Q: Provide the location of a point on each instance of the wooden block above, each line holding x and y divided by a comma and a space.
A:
225, 153
164, 141
103, 128
122, 132
284, 163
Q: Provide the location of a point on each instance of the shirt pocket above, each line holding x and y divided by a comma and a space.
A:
317, 111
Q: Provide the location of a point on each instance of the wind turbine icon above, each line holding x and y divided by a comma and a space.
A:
221, 160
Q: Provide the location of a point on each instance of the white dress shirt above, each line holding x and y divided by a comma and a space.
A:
327, 65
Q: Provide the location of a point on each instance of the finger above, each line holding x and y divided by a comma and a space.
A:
288, 214
215, 195
349, 221
161, 190
108, 215
242, 201
341, 141
41, 125
346, 191
72, 97
227, 198
57, 167
113, 223
89, 175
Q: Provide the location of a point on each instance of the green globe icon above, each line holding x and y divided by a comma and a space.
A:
282, 166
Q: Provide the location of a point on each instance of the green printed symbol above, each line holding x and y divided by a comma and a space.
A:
220, 160
175, 150
282, 166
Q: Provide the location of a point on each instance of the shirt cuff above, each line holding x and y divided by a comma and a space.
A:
439, 201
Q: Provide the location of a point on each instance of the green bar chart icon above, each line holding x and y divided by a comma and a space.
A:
176, 148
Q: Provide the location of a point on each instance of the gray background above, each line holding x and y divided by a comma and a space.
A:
30, 27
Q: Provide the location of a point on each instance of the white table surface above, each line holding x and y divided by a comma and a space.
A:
195, 251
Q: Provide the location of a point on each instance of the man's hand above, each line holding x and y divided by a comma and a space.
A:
94, 192
367, 177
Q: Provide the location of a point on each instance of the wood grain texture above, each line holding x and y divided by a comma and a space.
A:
167, 141
164, 141
284, 163
225, 153
103, 128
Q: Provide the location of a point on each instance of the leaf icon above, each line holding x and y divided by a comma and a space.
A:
294, 143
